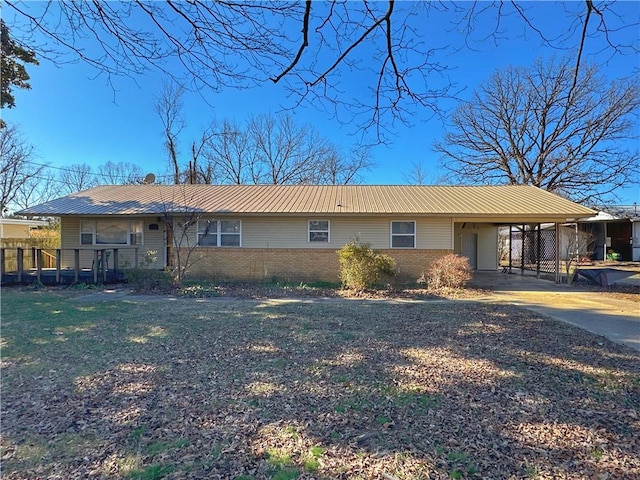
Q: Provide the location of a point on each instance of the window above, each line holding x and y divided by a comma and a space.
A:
135, 234
87, 230
403, 234
319, 231
208, 233
219, 233
111, 232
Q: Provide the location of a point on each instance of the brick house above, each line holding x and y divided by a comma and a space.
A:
292, 232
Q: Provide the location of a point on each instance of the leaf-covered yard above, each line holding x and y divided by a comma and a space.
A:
316, 388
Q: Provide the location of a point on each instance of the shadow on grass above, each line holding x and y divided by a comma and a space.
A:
279, 389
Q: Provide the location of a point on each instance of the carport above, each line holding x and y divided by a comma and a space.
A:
543, 248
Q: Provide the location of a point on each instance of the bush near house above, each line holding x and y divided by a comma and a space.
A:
361, 267
449, 271
146, 280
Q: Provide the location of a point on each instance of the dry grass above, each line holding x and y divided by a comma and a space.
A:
313, 388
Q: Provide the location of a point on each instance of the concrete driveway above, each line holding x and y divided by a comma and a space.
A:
617, 320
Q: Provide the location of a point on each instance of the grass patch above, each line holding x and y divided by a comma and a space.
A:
152, 472
150, 388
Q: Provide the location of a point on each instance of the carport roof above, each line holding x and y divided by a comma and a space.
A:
456, 201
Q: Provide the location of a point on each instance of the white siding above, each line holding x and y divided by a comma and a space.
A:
270, 232
152, 248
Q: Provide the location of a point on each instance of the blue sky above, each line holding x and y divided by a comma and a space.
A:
73, 115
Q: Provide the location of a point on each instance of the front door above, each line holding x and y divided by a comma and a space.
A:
469, 248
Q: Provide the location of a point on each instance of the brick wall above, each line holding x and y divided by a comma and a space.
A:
300, 264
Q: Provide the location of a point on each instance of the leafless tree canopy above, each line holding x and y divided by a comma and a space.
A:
16, 165
120, 173
387, 46
77, 177
417, 174
266, 149
539, 127
275, 150
40, 188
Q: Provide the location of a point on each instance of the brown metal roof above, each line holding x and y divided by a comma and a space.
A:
460, 201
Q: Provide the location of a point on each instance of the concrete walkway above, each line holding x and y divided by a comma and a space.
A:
617, 320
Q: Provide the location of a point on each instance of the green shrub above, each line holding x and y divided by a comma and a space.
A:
450, 271
361, 267
143, 280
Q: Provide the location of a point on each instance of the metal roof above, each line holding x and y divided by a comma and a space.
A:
472, 201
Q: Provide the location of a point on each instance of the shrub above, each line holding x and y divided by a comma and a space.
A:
147, 280
450, 271
361, 267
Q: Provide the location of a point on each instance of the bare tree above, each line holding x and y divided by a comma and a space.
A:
40, 188
77, 177
230, 156
538, 127
168, 106
182, 215
309, 46
417, 174
16, 165
271, 149
286, 152
338, 168
120, 173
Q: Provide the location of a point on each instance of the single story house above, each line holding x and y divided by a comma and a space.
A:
293, 231
18, 228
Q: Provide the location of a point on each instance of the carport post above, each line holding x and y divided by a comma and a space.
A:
522, 252
557, 242
510, 247
538, 250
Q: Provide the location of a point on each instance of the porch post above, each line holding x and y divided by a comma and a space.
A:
38, 253
103, 265
20, 263
2, 258
76, 265
58, 262
95, 266
115, 262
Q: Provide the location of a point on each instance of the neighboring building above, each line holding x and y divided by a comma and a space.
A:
293, 232
18, 228
616, 233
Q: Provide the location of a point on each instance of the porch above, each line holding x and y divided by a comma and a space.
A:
65, 266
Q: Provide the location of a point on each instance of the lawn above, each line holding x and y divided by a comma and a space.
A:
144, 388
